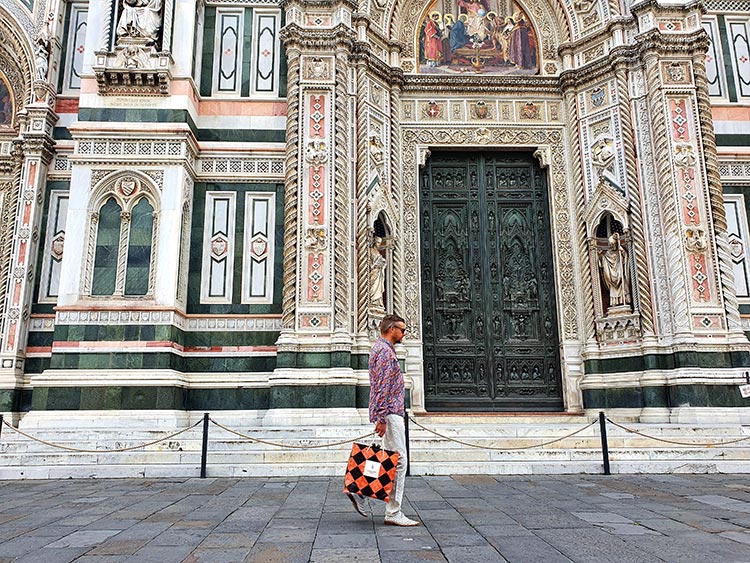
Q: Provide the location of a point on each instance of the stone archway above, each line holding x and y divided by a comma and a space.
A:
15, 63
549, 145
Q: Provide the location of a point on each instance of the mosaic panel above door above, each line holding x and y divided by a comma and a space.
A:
477, 36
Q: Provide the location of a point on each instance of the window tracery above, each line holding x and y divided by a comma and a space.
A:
123, 238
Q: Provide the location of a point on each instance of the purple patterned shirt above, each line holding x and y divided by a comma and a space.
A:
386, 382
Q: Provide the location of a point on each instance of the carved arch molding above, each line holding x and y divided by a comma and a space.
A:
545, 140
15, 60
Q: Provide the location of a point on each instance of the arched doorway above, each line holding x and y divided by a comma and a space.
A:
488, 301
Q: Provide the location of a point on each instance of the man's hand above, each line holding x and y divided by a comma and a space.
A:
380, 428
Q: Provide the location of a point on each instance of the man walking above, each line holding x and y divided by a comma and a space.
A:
387, 412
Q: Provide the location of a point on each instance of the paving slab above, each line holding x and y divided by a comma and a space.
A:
520, 518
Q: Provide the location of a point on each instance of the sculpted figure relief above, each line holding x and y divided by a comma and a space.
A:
613, 266
140, 19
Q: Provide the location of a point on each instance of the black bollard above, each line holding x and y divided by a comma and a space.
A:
406, 437
605, 447
204, 449
1, 425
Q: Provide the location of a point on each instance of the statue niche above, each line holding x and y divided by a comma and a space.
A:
140, 23
612, 262
379, 294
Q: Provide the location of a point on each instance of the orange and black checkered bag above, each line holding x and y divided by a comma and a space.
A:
371, 471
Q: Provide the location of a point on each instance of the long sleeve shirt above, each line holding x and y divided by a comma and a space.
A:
386, 382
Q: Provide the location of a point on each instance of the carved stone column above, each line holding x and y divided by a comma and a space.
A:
33, 155
317, 307
689, 211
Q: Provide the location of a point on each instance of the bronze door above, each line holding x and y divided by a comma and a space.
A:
488, 302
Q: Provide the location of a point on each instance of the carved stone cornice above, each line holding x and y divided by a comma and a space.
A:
618, 22
639, 7
362, 52
483, 83
666, 44
596, 70
293, 36
319, 4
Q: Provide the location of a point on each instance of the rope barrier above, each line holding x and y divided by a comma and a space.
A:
358, 438
676, 442
504, 448
280, 445
116, 450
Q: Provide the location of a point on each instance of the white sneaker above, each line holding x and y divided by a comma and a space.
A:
400, 519
359, 502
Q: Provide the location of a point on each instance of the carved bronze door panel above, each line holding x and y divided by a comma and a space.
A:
488, 302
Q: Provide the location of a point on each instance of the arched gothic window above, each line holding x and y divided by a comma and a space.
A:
124, 234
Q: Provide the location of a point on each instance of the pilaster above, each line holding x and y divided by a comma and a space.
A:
318, 252
701, 281
33, 154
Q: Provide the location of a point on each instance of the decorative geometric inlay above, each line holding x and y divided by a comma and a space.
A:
737, 250
219, 246
259, 247
58, 245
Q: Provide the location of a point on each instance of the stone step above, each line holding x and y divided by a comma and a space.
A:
591, 466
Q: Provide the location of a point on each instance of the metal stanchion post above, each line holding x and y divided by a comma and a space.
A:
1, 425
605, 447
406, 436
204, 449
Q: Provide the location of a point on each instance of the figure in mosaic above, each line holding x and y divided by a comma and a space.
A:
485, 36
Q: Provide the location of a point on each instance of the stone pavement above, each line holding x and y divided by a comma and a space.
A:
473, 518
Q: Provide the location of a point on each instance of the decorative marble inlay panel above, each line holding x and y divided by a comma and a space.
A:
240, 169
316, 196
691, 200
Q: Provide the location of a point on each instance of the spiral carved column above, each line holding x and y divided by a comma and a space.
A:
9, 210
363, 228
589, 328
395, 188
642, 278
288, 299
341, 198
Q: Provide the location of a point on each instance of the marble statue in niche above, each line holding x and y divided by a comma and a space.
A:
614, 271
140, 20
477, 36
377, 273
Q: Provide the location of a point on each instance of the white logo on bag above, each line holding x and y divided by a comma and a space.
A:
372, 469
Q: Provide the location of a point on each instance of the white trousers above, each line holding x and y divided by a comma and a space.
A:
394, 439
